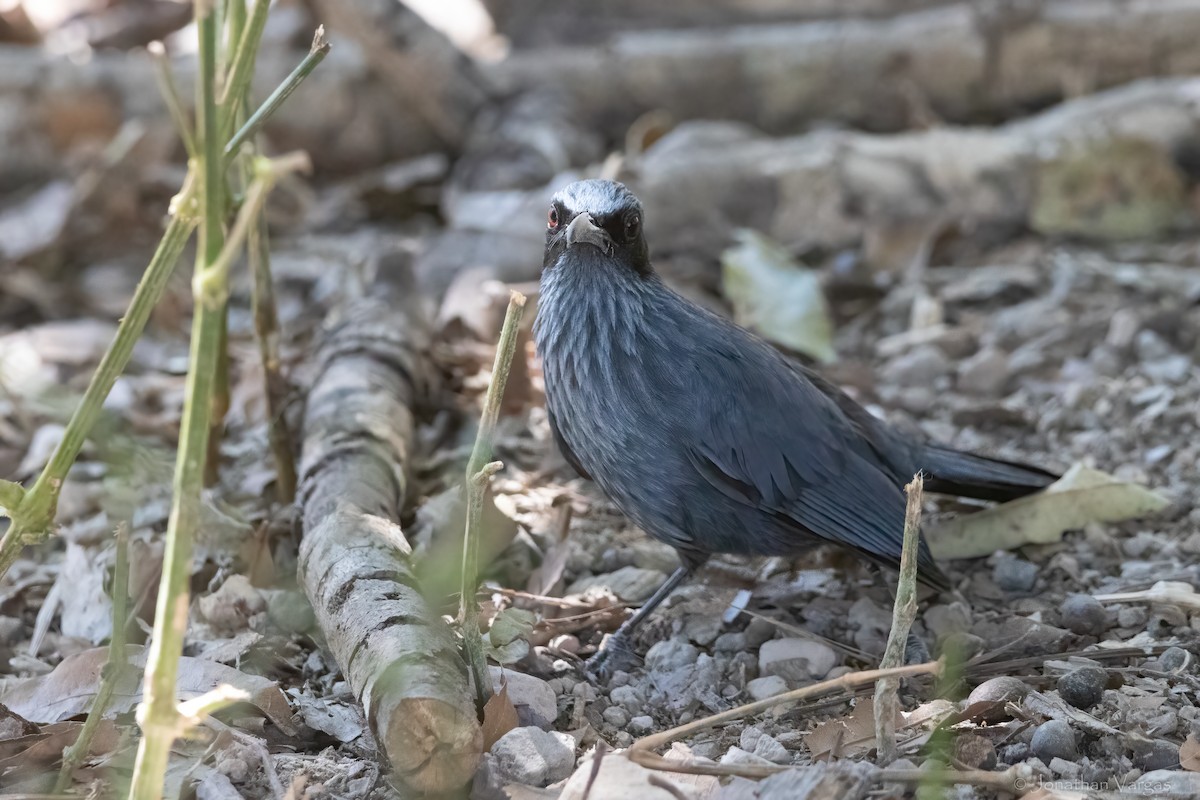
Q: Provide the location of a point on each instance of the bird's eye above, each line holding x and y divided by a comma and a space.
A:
552, 218
633, 226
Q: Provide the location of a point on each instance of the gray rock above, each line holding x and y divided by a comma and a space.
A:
960, 645
948, 618
731, 642
533, 697
761, 744
641, 724
670, 654
986, 373
652, 555
920, 366
1054, 739
796, 660
1132, 617
703, 630
1174, 659
758, 632
1170, 783
628, 697
1174, 369
1014, 574
534, 757
766, 686
1159, 754
1083, 687
1085, 615
629, 584
737, 755
616, 716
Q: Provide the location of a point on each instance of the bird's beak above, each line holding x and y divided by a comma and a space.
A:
583, 229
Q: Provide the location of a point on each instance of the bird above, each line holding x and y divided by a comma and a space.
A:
703, 434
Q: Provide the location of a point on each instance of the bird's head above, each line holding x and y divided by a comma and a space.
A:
596, 219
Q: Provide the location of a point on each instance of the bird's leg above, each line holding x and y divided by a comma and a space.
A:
617, 651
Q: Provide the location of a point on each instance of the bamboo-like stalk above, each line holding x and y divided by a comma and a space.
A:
480, 468
33, 516
170, 93
160, 719
73, 756
316, 54
904, 611
158, 714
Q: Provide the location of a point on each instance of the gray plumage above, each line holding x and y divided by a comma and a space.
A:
703, 434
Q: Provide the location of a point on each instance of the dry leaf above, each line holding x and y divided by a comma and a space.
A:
776, 297
1189, 753
499, 716
847, 736
41, 750
70, 688
1081, 496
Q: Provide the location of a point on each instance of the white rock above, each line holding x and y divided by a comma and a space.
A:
618, 778
629, 584
737, 755
755, 740
794, 659
766, 686
533, 756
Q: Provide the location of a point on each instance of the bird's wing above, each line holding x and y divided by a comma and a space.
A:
772, 440
567, 452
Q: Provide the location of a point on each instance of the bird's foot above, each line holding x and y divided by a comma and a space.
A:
616, 653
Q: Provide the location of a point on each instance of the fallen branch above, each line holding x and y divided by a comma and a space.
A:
956, 63
887, 704
395, 651
835, 189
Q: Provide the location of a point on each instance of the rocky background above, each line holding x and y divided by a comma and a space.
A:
979, 218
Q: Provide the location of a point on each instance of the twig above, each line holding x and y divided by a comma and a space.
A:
642, 751
170, 93
480, 468
74, 755
904, 611
266, 332
316, 54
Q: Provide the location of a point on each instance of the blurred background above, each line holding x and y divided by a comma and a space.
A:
980, 218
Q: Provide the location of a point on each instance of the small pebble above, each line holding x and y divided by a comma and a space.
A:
616, 716
670, 654
1015, 575
961, 645
1001, 691
985, 373
641, 724
1159, 754
737, 755
767, 686
1014, 753
1054, 739
1085, 615
1083, 687
623, 739
730, 642
795, 659
619, 678
758, 632
1174, 659
1132, 617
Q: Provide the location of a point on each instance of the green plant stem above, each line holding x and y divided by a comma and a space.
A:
320, 48
904, 611
34, 515
241, 69
480, 468
170, 93
74, 755
158, 715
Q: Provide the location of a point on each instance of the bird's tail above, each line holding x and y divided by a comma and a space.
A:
954, 472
